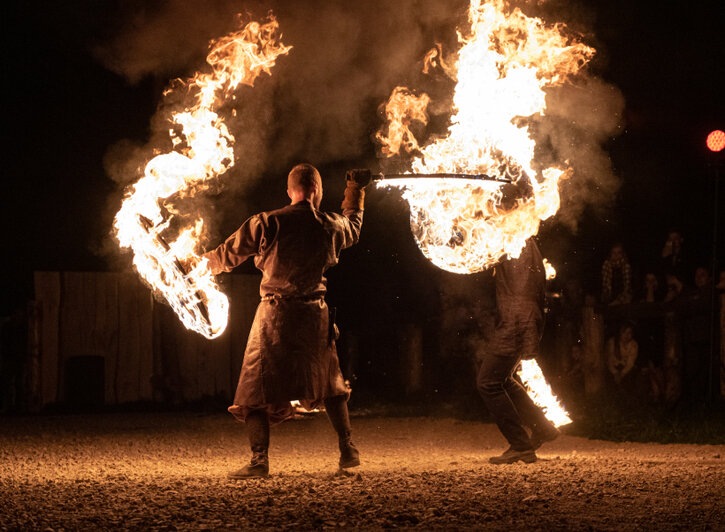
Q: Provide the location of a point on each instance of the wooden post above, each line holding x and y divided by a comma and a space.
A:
48, 296
721, 365
135, 340
411, 347
33, 397
593, 339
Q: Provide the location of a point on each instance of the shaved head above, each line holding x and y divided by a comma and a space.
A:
304, 183
303, 178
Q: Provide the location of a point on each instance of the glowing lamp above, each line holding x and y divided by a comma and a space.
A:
716, 140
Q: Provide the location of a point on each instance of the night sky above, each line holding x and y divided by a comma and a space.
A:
66, 107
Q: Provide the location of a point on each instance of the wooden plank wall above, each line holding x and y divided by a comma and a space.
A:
147, 352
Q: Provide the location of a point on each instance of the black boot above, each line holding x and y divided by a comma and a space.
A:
258, 467
543, 433
336, 408
257, 423
510, 456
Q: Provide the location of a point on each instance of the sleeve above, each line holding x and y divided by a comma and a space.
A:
351, 220
245, 242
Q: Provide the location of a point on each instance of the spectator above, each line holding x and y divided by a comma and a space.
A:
651, 292
616, 278
674, 287
702, 278
673, 256
573, 378
622, 353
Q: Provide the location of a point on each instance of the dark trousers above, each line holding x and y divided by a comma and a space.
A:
507, 400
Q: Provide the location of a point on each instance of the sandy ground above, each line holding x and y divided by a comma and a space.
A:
167, 472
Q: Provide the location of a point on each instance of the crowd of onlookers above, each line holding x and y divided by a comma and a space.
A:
658, 327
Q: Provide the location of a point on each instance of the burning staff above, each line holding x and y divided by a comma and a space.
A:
291, 353
203, 150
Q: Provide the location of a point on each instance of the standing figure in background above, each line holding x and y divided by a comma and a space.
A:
650, 290
616, 278
291, 353
673, 255
674, 287
622, 353
520, 293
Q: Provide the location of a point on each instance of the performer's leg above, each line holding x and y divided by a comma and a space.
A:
257, 422
542, 430
492, 375
336, 408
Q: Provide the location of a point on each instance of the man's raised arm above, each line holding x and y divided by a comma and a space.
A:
242, 244
353, 204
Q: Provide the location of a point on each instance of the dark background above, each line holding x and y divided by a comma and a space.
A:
78, 93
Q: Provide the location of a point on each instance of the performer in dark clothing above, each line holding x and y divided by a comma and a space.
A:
520, 293
291, 353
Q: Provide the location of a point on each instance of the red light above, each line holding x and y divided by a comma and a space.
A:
716, 140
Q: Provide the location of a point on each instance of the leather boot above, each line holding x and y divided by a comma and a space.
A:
257, 423
349, 455
258, 467
511, 456
336, 408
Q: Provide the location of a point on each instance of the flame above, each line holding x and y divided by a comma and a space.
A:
203, 150
505, 62
541, 393
550, 270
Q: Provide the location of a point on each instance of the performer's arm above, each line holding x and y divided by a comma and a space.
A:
354, 203
242, 244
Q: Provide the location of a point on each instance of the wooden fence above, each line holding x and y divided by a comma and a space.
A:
143, 350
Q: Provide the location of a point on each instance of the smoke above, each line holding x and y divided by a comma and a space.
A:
321, 102
580, 119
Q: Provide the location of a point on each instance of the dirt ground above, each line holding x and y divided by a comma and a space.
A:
168, 472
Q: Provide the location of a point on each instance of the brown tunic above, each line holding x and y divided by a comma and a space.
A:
291, 352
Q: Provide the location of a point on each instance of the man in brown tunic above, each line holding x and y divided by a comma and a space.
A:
291, 352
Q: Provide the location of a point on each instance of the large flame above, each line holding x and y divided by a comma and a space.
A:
541, 394
505, 62
203, 150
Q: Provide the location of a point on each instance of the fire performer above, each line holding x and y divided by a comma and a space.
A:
291, 353
520, 293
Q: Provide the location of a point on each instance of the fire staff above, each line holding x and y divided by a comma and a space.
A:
291, 353
520, 293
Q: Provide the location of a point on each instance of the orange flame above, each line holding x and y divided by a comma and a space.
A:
541, 394
550, 270
505, 62
203, 150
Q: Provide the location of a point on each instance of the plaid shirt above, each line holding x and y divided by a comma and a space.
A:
616, 282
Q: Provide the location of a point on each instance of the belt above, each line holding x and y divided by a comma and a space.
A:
277, 297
